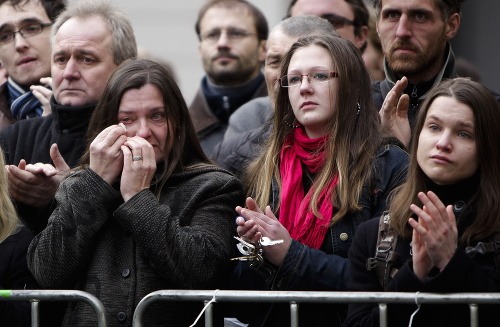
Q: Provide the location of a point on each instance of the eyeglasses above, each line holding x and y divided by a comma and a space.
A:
25, 31
316, 77
233, 34
338, 21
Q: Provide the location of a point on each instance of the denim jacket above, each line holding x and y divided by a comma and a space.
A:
310, 269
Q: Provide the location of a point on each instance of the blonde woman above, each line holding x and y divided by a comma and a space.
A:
14, 241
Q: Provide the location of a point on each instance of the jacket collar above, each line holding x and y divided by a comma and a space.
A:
448, 71
71, 119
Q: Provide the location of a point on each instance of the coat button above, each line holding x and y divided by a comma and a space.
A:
121, 316
65, 132
344, 237
125, 273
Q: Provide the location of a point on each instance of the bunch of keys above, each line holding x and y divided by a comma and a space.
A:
253, 251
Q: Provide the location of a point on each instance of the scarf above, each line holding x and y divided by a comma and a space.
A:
295, 214
224, 100
23, 104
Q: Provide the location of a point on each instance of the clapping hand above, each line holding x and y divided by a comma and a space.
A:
435, 235
254, 224
394, 113
36, 184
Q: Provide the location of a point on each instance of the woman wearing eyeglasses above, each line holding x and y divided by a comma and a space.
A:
325, 169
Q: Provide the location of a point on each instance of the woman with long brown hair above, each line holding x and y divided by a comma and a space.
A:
445, 216
145, 211
324, 170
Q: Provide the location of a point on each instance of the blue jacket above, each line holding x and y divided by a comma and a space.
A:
326, 269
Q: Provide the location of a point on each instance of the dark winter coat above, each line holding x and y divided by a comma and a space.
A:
120, 252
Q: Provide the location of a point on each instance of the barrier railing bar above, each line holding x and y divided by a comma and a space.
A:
55, 295
208, 315
474, 315
35, 321
382, 298
294, 314
382, 307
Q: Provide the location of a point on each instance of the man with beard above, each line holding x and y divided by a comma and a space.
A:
415, 37
232, 36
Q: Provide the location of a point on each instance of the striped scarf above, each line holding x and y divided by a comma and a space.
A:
23, 104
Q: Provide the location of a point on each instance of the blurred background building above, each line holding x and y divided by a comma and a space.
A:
165, 30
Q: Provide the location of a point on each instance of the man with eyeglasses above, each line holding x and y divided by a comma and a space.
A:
25, 55
232, 36
349, 17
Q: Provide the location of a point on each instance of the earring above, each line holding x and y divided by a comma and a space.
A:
359, 109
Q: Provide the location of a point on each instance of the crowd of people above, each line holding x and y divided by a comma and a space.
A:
114, 185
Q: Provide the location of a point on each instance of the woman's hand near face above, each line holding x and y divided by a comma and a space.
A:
265, 224
139, 166
106, 158
435, 232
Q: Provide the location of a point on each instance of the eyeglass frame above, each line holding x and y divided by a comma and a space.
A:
340, 19
232, 34
20, 32
310, 79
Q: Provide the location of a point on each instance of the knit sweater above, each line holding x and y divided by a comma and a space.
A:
120, 252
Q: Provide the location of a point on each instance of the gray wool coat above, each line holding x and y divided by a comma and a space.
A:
120, 252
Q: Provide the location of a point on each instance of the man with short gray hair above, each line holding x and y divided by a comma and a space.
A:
40, 151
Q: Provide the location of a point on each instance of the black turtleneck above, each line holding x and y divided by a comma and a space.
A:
460, 195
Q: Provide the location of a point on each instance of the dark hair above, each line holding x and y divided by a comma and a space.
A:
361, 15
134, 74
260, 20
486, 121
52, 7
447, 7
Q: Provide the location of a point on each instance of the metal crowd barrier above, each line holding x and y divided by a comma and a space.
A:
34, 296
295, 297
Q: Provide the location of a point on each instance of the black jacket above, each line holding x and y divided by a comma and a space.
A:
14, 275
31, 139
326, 269
417, 92
462, 274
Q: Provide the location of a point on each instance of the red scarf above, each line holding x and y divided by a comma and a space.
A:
295, 215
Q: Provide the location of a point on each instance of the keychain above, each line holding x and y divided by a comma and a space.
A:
253, 251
